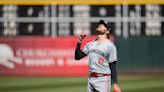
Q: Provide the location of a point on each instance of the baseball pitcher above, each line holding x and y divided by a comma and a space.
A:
102, 56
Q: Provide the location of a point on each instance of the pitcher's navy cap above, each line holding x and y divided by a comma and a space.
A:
106, 24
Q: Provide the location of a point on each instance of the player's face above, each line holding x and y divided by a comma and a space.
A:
101, 29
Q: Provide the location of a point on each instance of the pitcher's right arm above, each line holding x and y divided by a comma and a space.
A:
78, 52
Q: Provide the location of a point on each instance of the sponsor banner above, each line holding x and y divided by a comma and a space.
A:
41, 56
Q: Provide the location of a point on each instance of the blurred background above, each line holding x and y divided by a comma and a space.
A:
38, 39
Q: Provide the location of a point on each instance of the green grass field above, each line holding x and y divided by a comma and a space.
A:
77, 84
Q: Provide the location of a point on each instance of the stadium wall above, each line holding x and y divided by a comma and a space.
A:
141, 54
54, 56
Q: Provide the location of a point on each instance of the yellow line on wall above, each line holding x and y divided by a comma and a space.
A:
90, 2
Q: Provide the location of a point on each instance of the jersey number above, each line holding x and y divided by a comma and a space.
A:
101, 61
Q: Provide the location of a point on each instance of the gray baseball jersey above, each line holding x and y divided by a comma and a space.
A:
100, 55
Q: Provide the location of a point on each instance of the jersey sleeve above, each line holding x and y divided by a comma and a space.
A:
112, 54
86, 49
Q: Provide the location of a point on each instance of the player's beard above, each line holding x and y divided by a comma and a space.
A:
99, 32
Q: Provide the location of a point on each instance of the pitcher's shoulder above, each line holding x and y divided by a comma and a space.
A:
90, 43
110, 43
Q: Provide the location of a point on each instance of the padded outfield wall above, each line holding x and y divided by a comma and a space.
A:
143, 54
